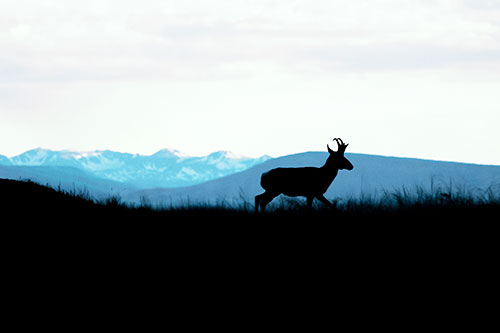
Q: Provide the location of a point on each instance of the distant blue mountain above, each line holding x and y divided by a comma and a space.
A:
372, 176
4, 160
166, 168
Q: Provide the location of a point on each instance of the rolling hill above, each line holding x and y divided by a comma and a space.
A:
66, 178
371, 177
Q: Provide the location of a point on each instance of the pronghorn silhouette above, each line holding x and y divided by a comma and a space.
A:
309, 182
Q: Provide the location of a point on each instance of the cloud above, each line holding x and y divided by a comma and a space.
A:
172, 40
483, 4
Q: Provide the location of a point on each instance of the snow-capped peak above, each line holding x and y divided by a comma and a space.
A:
226, 154
169, 153
86, 154
37, 156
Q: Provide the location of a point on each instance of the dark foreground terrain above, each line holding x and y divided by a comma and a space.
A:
410, 251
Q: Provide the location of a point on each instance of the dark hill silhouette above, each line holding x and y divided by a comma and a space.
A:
29, 201
26, 199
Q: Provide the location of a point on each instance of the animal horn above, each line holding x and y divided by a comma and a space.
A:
338, 143
341, 145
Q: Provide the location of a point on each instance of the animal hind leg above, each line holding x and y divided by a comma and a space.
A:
325, 201
309, 203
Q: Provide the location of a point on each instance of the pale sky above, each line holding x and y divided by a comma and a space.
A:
414, 78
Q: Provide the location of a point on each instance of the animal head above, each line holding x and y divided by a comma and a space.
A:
336, 159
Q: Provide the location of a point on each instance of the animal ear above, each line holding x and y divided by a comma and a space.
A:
329, 150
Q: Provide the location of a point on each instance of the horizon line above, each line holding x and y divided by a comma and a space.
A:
180, 154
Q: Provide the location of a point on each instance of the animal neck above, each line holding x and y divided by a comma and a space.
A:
329, 171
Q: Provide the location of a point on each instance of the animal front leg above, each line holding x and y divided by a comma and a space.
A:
324, 200
309, 203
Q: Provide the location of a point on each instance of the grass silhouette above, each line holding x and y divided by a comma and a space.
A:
360, 237
26, 199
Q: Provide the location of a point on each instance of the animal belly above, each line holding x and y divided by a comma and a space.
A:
296, 194
299, 190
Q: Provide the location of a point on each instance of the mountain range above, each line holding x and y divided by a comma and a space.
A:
166, 168
168, 177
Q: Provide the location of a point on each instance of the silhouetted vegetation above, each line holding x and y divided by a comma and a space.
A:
22, 200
